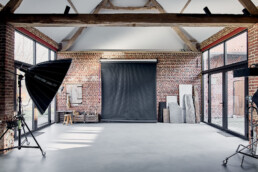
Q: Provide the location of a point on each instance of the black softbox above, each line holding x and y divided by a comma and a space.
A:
43, 81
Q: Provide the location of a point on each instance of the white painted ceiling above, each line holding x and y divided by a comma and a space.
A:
129, 38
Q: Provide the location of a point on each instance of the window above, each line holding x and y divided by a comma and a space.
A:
205, 60
23, 49
41, 53
217, 56
52, 55
205, 97
216, 99
236, 103
224, 103
236, 49
29, 52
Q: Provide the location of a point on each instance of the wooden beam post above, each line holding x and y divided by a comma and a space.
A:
73, 7
67, 44
178, 30
111, 6
249, 5
11, 6
186, 5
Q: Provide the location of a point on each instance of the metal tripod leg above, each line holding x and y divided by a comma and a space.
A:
43, 153
242, 161
25, 135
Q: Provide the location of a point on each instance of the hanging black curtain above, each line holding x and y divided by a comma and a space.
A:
128, 91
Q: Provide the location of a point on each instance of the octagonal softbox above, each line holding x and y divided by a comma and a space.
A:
43, 81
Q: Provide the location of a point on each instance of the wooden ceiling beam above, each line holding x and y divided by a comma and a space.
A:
178, 30
249, 5
11, 6
148, 20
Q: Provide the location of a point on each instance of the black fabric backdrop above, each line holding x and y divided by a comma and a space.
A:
128, 91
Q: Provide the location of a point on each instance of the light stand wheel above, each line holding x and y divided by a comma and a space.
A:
44, 154
225, 162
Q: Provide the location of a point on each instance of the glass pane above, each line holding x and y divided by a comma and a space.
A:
42, 118
23, 48
41, 53
236, 103
53, 104
236, 49
26, 101
205, 96
217, 56
205, 60
52, 57
216, 99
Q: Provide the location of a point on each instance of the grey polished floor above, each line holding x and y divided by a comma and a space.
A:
122, 147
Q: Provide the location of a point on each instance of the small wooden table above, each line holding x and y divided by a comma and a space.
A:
61, 114
67, 119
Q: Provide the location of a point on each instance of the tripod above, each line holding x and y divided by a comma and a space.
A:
20, 123
251, 148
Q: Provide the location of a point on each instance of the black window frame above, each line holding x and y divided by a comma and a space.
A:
224, 69
35, 125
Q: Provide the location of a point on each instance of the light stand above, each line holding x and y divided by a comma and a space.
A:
20, 123
42, 82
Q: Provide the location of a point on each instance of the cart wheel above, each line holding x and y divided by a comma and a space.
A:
225, 162
28, 143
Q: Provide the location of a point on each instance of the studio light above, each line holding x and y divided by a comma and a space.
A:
42, 82
67, 9
245, 72
246, 12
207, 11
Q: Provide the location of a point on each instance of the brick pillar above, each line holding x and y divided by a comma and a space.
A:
252, 59
6, 81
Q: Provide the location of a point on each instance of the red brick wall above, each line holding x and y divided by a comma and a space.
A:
253, 55
6, 81
172, 69
252, 59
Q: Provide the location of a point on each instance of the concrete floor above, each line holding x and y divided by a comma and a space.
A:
123, 147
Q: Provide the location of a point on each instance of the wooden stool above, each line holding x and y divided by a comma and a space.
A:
67, 119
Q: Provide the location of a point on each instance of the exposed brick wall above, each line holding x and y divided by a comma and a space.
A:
252, 59
253, 55
6, 81
172, 69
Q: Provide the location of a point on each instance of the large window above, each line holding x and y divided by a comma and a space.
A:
217, 56
236, 49
224, 103
23, 49
205, 97
29, 52
216, 99
236, 103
